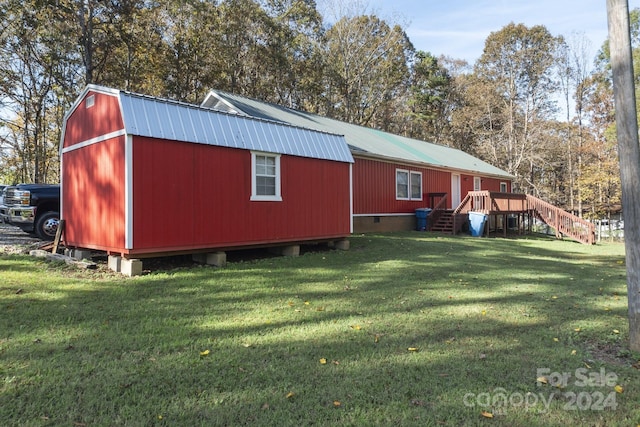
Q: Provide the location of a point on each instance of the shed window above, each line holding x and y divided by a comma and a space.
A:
408, 185
503, 187
90, 101
265, 177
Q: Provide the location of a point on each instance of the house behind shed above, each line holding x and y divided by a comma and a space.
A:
143, 176
392, 175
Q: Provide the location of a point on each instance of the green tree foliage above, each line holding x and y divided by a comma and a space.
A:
32, 77
431, 97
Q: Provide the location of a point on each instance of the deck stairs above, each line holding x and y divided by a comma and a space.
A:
444, 223
495, 203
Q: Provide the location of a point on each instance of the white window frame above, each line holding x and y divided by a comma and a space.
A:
412, 176
477, 183
504, 187
90, 101
277, 197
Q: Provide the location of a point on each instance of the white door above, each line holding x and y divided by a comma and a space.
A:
455, 190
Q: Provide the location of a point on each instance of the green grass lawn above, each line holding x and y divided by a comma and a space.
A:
403, 329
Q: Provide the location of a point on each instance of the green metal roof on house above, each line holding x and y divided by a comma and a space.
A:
361, 140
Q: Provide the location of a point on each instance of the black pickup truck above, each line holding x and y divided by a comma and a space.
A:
35, 208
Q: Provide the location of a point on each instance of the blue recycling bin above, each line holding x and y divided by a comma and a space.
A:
421, 217
476, 223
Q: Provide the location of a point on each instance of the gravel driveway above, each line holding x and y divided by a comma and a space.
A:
15, 241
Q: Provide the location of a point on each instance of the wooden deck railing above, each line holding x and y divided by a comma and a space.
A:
491, 202
494, 203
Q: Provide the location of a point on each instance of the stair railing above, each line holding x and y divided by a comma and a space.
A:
562, 221
436, 212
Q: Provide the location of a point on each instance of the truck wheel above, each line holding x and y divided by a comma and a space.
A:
47, 225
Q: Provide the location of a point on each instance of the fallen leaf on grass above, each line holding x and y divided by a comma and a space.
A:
482, 356
320, 309
577, 329
337, 403
615, 331
376, 338
619, 389
323, 361
486, 414
542, 380
265, 406
413, 349
356, 327
290, 395
204, 353
555, 339
573, 352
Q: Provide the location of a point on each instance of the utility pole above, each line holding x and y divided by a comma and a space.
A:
629, 152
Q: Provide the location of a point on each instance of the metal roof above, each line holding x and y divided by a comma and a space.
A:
160, 118
361, 140
165, 119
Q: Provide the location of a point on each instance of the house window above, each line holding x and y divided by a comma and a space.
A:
90, 101
503, 187
408, 185
477, 183
265, 177
416, 185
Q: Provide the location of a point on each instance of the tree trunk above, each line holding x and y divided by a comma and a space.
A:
629, 154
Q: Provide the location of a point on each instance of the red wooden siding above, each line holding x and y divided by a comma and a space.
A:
192, 195
93, 196
490, 184
87, 123
374, 187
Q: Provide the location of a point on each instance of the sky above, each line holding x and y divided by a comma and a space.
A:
459, 28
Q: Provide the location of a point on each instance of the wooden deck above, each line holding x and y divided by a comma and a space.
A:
519, 206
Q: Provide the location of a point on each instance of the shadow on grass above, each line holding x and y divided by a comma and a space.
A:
477, 316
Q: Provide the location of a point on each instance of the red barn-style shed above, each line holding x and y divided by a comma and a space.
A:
143, 176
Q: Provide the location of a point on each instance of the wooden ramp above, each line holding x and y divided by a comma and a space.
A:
520, 205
